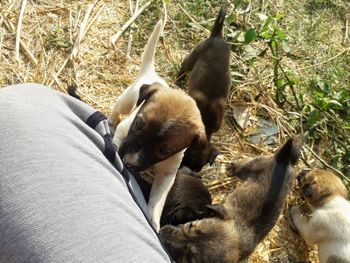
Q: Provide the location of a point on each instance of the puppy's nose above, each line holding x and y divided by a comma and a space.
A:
301, 176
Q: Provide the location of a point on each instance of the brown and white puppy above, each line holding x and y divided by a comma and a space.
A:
147, 75
245, 218
209, 84
329, 224
156, 134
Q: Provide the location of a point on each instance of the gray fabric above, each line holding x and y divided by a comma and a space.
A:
60, 198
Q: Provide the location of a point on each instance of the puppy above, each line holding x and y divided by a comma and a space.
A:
245, 218
156, 135
209, 84
329, 225
187, 199
147, 75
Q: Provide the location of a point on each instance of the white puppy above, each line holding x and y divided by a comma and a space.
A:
147, 75
329, 225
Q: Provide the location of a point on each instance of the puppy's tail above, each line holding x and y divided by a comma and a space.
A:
219, 23
150, 48
285, 157
72, 90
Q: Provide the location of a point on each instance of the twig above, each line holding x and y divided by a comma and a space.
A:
192, 19
19, 27
291, 86
128, 23
23, 46
81, 32
58, 72
74, 55
59, 83
324, 62
326, 164
132, 12
165, 18
346, 29
93, 20
137, 5
130, 7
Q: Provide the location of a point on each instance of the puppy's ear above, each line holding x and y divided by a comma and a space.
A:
200, 141
218, 211
146, 91
213, 153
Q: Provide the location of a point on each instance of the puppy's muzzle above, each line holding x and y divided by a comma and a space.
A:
132, 161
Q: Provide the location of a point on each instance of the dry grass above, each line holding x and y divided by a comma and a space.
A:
57, 49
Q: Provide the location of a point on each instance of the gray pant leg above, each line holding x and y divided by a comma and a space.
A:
60, 199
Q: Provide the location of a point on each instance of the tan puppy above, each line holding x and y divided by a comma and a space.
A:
329, 225
147, 75
245, 218
156, 134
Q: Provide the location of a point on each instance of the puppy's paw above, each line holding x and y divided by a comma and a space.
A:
232, 168
293, 213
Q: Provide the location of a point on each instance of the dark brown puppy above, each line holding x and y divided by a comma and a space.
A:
187, 200
209, 84
245, 218
167, 122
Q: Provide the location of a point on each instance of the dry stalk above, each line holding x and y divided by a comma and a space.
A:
116, 36
4, 14
165, 18
19, 27
84, 28
80, 36
346, 29
323, 62
10, 27
132, 12
193, 20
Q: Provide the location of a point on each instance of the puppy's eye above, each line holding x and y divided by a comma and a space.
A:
189, 225
138, 124
307, 189
164, 150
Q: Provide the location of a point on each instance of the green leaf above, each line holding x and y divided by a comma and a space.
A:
266, 35
231, 18
280, 83
334, 104
236, 3
313, 117
280, 33
267, 24
279, 16
250, 35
